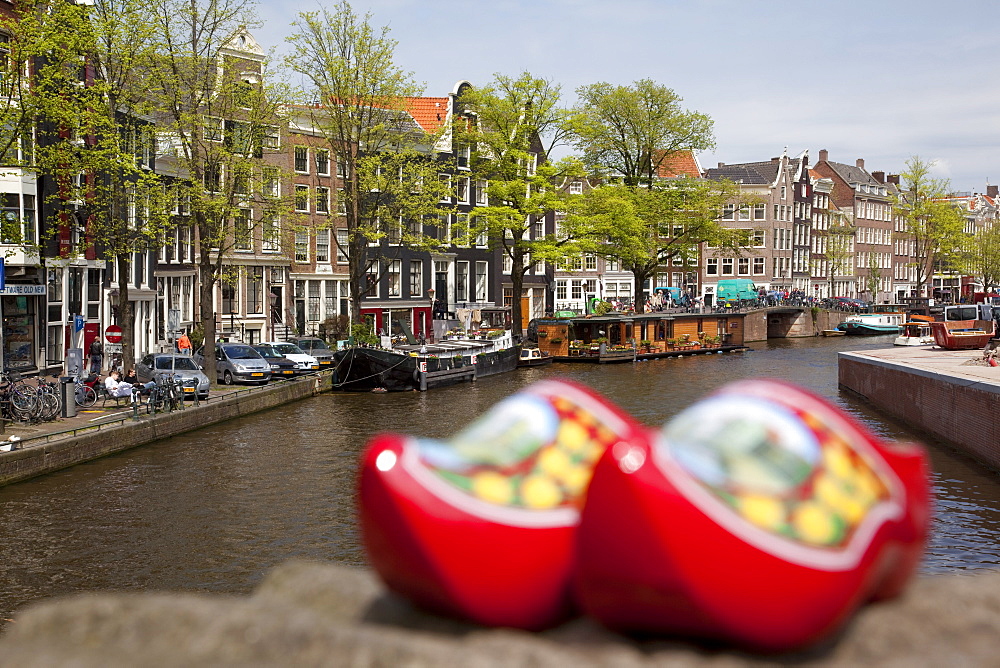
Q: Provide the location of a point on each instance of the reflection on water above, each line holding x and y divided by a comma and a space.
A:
214, 510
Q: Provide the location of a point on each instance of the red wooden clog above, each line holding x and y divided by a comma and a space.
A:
761, 516
481, 526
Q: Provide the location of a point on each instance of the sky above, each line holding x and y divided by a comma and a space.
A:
881, 80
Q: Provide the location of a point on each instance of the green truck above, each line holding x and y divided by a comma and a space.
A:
735, 289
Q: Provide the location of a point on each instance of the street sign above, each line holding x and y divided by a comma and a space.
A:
113, 334
111, 348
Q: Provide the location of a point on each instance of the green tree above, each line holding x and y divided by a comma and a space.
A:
980, 256
86, 101
934, 225
511, 126
219, 120
630, 132
644, 228
385, 158
839, 248
873, 279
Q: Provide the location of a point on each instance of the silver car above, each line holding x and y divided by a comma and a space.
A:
181, 367
238, 363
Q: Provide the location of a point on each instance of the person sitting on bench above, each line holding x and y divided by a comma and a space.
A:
119, 388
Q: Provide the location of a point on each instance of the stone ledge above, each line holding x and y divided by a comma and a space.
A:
327, 615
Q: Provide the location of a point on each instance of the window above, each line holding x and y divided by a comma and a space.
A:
323, 246
213, 178
460, 230
481, 271
302, 159
255, 289
329, 298
759, 238
461, 281
302, 198
782, 192
212, 129
322, 199
446, 185
758, 266
323, 162
482, 199
727, 266
759, 211
272, 136
395, 278
576, 188
743, 266
241, 230
313, 300
590, 262
561, 289
744, 213
269, 232
301, 246
729, 212
480, 228
270, 182
416, 278
342, 247
341, 202
463, 190
712, 266
342, 170
230, 298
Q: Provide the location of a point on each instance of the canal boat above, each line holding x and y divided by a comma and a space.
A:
405, 368
963, 334
915, 333
533, 357
880, 322
833, 332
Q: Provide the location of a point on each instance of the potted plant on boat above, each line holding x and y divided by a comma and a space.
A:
645, 345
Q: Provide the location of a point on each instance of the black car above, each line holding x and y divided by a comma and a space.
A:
281, 366
316, 347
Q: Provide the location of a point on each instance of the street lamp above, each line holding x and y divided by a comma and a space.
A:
113, 297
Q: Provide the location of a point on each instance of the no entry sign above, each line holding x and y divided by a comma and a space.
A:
113, 334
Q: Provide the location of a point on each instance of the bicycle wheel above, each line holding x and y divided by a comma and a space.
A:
22, 400
49, 406
85, 396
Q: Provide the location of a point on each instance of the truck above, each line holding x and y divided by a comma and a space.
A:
735, 289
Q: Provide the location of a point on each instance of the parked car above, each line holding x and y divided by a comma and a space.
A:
156, 367
281, 366
305, 363
316, 347
237, 363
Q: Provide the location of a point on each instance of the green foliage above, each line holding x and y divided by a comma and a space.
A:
980, 256
934, 224
630, 131
363, 334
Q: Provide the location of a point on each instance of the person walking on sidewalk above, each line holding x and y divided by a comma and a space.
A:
96, 355
184, 344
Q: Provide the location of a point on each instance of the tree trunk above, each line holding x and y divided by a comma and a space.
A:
517, 286
206, 309
126, 316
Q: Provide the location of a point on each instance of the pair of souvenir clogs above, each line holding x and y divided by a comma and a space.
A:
760, 516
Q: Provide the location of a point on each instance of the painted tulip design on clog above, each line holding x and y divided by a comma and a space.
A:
761, 516
481, 526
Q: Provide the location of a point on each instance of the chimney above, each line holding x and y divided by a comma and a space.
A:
991, 191
879, 176
775, 159
824, 155
893, 179
721, 165
860, 163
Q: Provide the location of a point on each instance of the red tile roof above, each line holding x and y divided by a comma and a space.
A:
429, 112
680, 163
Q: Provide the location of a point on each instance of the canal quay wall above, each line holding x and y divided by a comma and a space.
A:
934, 390
57, 447
789, 322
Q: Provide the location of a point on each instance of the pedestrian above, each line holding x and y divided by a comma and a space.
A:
184, 344
96, 355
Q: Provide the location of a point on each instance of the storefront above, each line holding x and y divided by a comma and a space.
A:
19, 305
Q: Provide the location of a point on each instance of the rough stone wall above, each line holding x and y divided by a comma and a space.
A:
959, 411
308, 614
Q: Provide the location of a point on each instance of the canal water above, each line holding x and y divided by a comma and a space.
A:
214, 510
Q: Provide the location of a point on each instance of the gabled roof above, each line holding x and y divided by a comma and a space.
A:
430, 113
852, 174
680, 163
752, 173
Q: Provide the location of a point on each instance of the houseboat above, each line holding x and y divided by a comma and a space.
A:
404, 367
623, 338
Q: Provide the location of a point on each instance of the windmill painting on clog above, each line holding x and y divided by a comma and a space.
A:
481, 526
762, 516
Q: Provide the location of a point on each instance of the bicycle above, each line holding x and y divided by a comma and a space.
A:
84, 393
